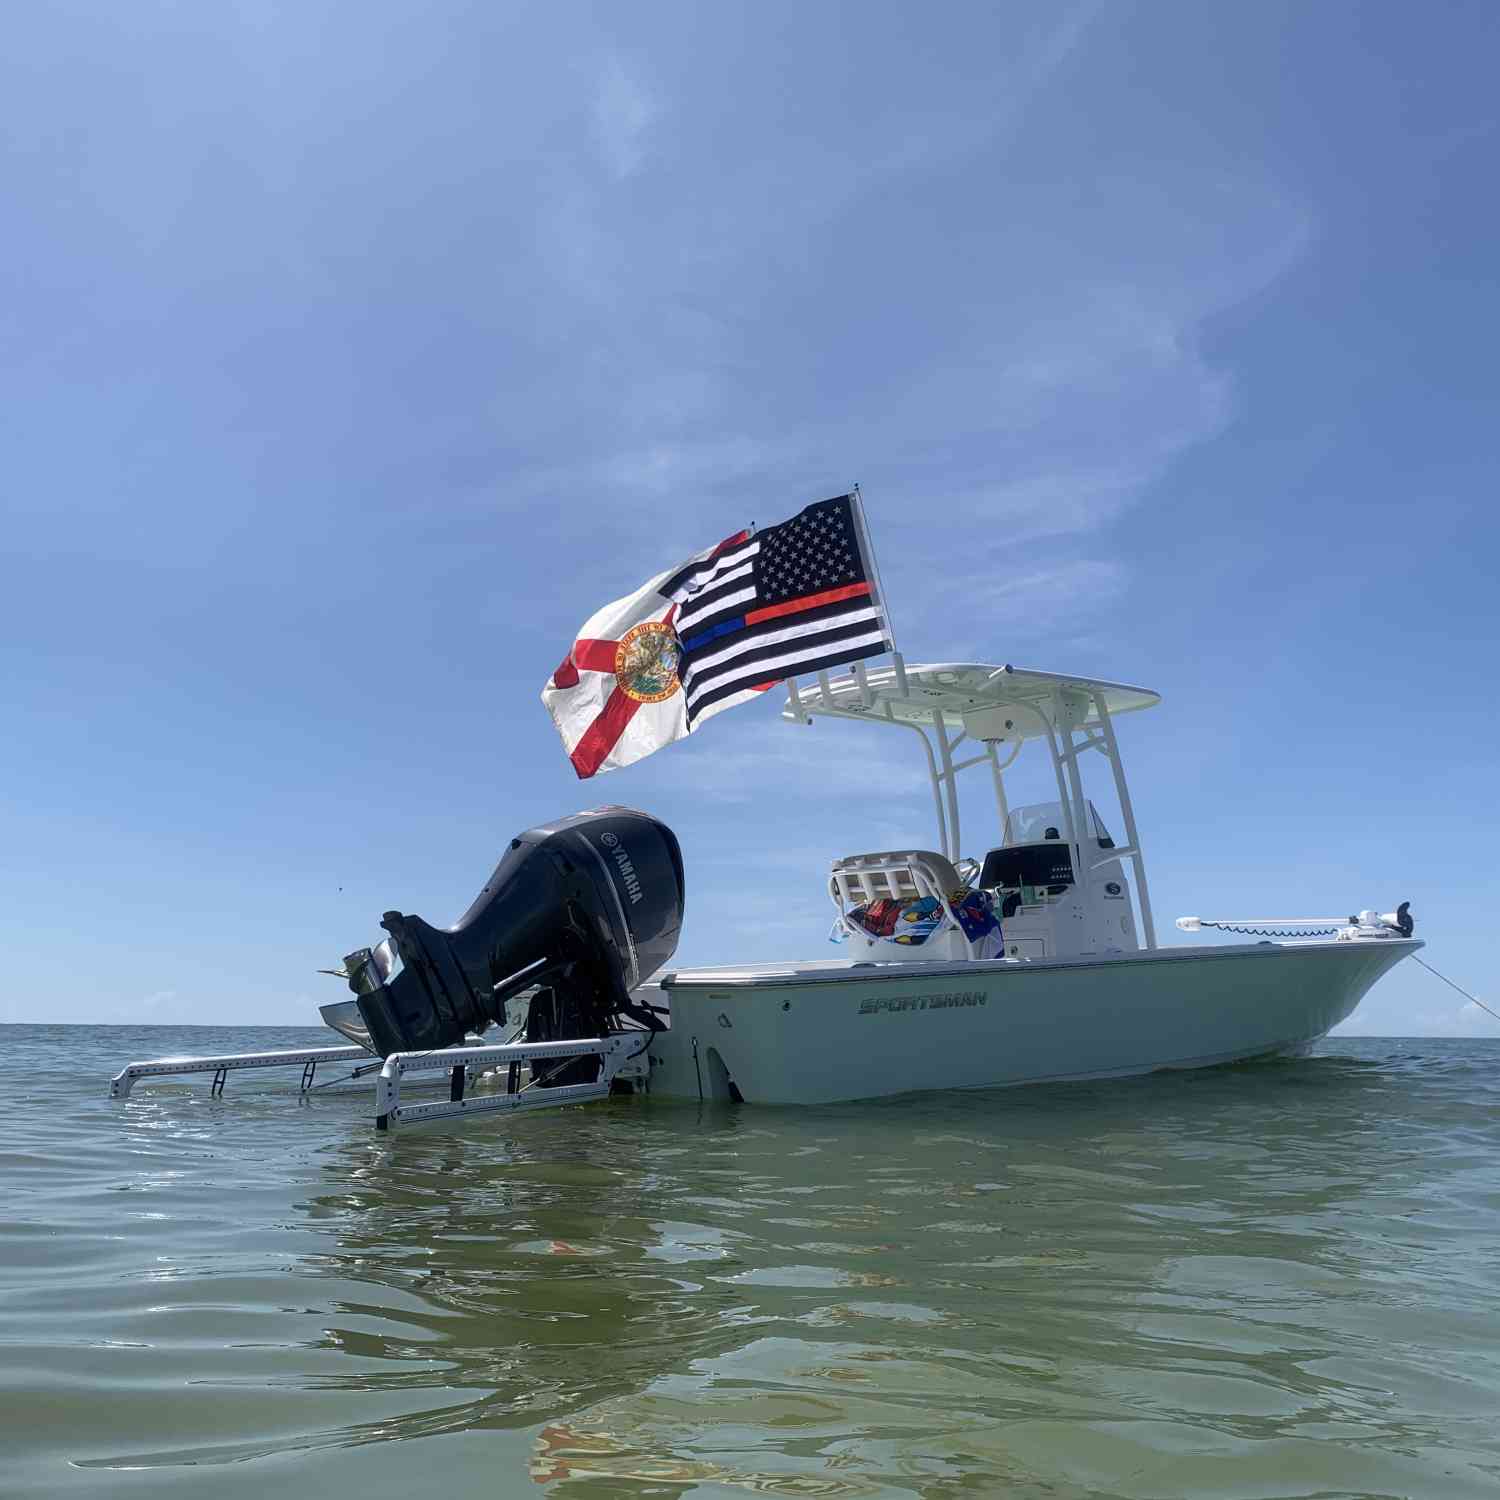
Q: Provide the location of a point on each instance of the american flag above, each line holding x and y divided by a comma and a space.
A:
794, 598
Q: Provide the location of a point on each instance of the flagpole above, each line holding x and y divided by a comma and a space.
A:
897, 660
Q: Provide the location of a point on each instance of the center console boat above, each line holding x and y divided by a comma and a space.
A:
1032, 956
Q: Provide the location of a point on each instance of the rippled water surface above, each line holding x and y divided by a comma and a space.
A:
1270, 1280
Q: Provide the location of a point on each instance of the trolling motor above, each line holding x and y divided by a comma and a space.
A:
584, 908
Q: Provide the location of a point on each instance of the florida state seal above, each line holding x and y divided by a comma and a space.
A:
646, 662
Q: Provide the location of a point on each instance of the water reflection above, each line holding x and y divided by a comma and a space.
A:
856, 1300
1277, 1279
538, 1270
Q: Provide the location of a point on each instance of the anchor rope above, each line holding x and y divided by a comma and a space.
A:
359, 1072
1461, 990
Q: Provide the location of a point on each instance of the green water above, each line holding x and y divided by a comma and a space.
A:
1271, 1280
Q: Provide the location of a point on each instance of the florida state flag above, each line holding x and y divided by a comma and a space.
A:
618, 694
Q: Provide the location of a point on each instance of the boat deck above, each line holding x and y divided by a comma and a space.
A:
834, 971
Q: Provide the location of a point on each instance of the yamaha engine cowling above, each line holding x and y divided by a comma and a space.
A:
586, 907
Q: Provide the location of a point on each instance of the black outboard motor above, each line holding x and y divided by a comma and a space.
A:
586, 907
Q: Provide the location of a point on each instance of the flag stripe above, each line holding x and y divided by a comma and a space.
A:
686, 577
701, 661
706, 637
720, 601
743, 695
844, 654
784, 659
780, 659
722, 610
711, 596
812, 601
713, 575
701, 646
593, 748
813, 607
721, 581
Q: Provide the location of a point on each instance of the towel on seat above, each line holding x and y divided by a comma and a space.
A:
914, 919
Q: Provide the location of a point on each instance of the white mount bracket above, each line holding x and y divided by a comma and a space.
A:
614, 1052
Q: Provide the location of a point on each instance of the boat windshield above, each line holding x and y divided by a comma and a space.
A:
1044, 820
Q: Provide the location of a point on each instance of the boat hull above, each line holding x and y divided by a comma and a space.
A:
816, 1034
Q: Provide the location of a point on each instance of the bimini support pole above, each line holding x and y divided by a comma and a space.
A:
1137, 859
949, 777
935, 780
1070, 724
997, 771
1054, 747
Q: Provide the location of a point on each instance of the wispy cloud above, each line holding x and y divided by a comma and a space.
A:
623, 112
1391, 1013
1053, 413
733, 759
1049, 597
927, 136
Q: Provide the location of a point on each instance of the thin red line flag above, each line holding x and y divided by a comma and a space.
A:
717, 630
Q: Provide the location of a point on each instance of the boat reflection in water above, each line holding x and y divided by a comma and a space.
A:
533, 1271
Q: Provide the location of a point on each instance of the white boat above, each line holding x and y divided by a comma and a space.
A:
1081, 990
1072, 986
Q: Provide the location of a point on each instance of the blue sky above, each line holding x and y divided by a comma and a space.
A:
354, 354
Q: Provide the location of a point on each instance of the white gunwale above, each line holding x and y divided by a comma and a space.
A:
839, 971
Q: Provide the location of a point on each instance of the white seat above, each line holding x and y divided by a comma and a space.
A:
900, 875
896, 874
